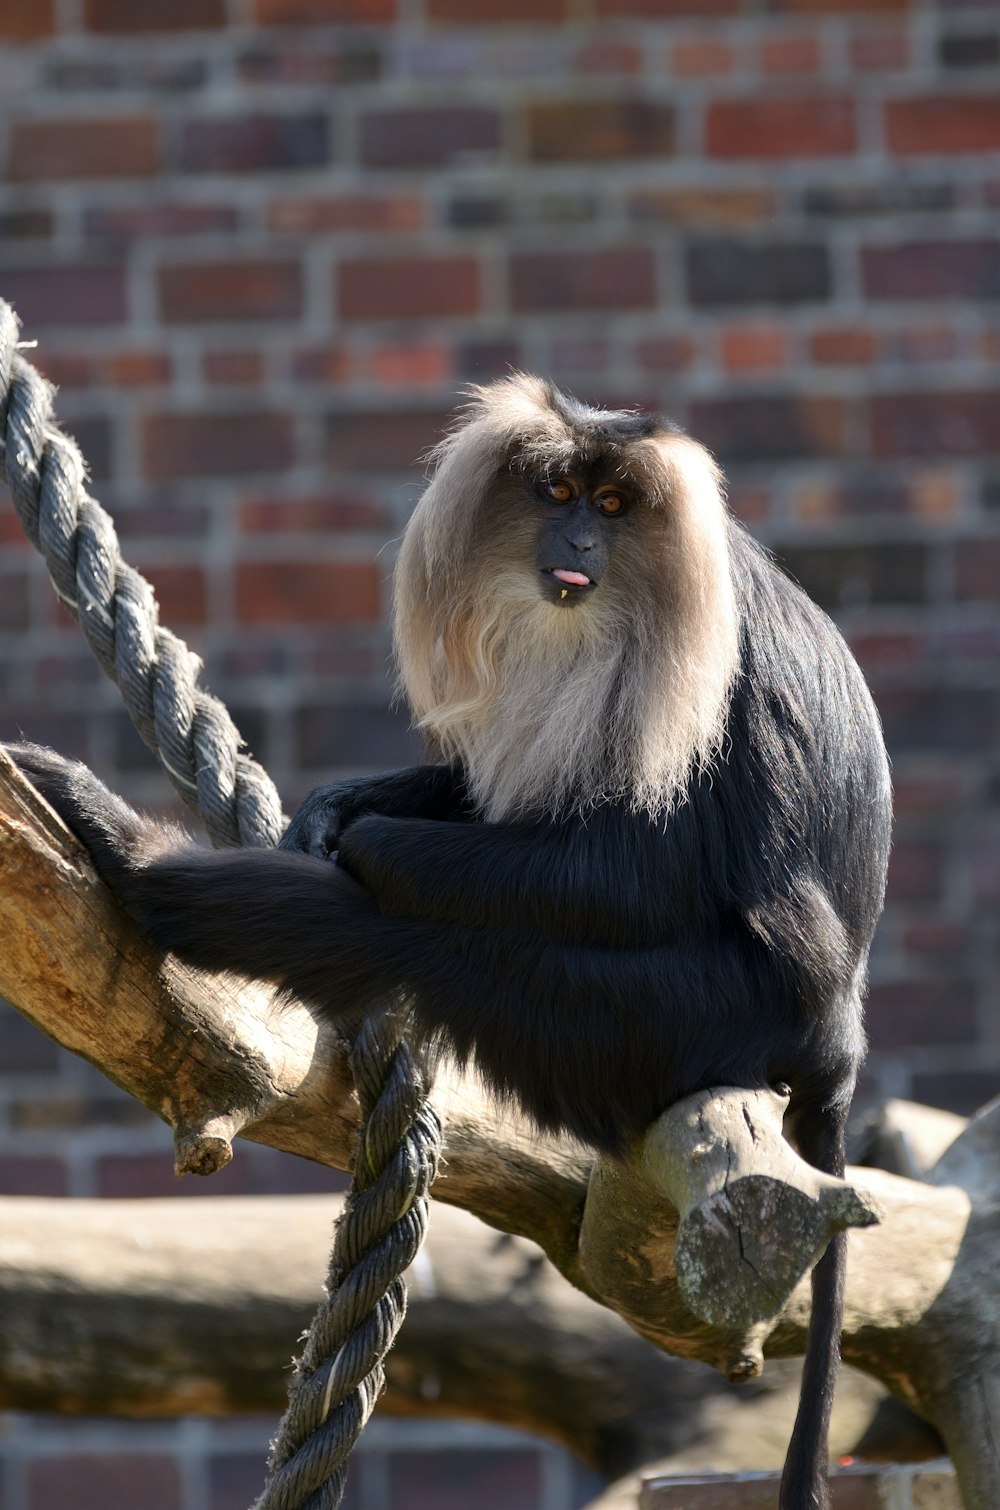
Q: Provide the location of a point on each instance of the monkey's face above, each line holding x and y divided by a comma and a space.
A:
581, 516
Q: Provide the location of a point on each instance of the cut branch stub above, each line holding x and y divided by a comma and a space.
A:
754, 1216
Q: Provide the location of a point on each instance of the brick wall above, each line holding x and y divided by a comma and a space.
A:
262, 242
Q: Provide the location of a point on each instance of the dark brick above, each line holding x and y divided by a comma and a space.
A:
96, 440
198, 292
904, 1013
769, 427
254, 143
111, 222
25, 225
728, 272
355, 735
577, 131
944, 123
933, 719
893, 196
26, 20
835, 7
92, 1481
419, 137
308, 592
977, 570
15, 599
215, 445
71, 294
614, 278
24, 1174
23, 1049
781, 128
324, 12
456, 1480
124, 16
932, 270
382, 441
489, 12
407, 288
916, 871
970, 49
963, 1091
294, 61
942, 423
480, 361
852, 576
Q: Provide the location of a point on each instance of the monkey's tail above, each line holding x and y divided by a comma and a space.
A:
804, 1483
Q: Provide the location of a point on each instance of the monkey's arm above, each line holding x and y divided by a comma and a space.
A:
578, 881
427, 791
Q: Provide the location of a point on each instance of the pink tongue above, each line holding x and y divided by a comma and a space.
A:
574, 578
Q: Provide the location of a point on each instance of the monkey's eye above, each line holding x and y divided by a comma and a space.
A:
611, 503
559, 491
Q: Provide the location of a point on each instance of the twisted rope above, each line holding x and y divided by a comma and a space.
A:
341, 1373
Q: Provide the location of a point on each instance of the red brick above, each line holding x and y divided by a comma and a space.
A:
323, 12
215, 445
837, 7
308, 592
233, 367
614, 278
879, 51
25, 20
380, 440
486, 12
888, 652
254, 143
324, 515
125, 16
24, 1174
606, 56
200, 292
968, 269
347, 212
574, 131
701, 58
68, 294
125, 147
67, 369
136, 369
844, 346
427, 364
427, 137
936, 938
661, 9
137, 222
779, 128
407, 288
181, 592
944, 123
750, 348
943, 423
801, 54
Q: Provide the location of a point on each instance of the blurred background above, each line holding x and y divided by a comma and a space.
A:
262, 244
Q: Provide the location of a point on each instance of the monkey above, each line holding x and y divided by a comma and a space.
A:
647, 851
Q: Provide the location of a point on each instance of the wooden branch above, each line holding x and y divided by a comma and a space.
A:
215, 1058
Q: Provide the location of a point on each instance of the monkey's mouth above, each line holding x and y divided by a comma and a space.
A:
568, 583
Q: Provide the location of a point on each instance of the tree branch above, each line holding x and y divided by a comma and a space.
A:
216, 1058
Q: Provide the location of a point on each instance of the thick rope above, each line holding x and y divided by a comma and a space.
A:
341, 1372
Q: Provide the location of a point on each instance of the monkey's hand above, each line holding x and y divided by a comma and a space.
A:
428, 791
317, 826
117, 837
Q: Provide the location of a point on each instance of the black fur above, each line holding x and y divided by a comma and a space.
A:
595, 969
